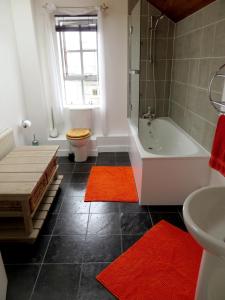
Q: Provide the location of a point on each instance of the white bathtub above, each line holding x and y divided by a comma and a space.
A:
168, 164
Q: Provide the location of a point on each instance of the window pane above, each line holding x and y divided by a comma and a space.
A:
91, 92
90, 63
72, 40
89, 41
73, 63
73, 92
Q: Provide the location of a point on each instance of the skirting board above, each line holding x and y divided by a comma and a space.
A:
97, 144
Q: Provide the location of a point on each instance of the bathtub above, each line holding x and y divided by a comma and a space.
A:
168, 164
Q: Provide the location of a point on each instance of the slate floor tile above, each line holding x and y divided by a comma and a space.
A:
65, 249
21, 280
90, 288
102, 248
23, 253
172, 218
108, 223
57, 282
135, 223
71, 224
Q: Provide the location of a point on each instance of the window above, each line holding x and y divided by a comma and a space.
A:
77, 41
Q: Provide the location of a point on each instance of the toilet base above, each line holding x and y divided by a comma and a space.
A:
80, 153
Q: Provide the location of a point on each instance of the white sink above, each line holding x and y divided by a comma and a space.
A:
204, 216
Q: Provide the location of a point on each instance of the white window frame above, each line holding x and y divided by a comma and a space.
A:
82, 77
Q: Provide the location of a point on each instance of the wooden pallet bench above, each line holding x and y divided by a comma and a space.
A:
28, 186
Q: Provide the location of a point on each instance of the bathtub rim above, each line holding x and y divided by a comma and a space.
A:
202, 153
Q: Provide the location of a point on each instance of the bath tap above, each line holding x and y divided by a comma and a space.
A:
149, 115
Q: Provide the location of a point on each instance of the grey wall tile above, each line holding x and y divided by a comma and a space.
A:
219, 46
193, 71
207, 41
204, 73
180, 70
200, 41
162, 61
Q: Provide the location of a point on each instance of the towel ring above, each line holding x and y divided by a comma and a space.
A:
217, 104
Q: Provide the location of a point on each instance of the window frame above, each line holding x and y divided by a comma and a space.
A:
83, 77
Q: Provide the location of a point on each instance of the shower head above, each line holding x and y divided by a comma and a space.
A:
161, 16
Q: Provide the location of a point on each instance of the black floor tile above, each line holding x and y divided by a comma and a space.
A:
75, 190
106, 159
129, 240
71, 224
108, 223
180, 209
66, 168
104, 207
102, 248
64, 160
106, 163
72, 205
122, 158
57, 282
49, 224
21, 280
90, 288
123, 164
56, 205
133, 207
120, 155
65, 249
79, 177
83, 167
20, 253
103, 155
91, 160
135, 223
163, 208
66, 177
172, 218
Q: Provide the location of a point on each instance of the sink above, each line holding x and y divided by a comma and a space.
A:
204, 216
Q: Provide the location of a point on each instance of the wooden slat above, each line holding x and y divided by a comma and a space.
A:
14, 232
45, 192
16, 188
20, 177
40, 215
44, 207
53, 187
48, 200
31, 153
38, 224
23, 168
37, 148
51, 193
26, 160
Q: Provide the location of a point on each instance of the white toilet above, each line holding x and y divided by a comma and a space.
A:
80, 133
79, 139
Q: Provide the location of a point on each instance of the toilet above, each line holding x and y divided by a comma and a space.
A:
79, 139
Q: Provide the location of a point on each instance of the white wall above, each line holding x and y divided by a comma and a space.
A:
115, 26
30, 69
11, 93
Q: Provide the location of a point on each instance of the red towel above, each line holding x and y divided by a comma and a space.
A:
217, 159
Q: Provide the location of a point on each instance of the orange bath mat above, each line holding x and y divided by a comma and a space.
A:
111, 184
162, 265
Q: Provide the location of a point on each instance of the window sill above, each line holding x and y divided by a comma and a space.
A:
81, 107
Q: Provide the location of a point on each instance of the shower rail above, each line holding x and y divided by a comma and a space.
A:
218, 105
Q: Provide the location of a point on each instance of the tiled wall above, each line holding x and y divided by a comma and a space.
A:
199, 49
163, 61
